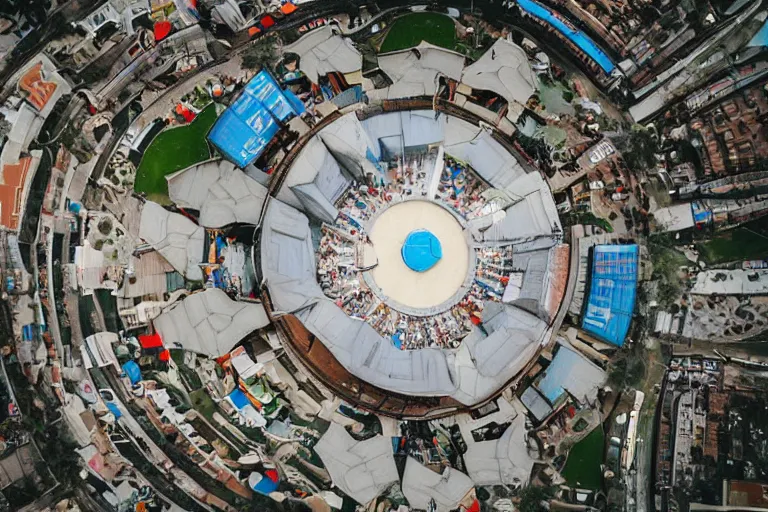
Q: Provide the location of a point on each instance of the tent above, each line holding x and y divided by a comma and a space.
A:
265, 483
133, 372
245, 129
148, 341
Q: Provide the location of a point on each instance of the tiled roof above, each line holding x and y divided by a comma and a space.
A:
11, 191
38, 90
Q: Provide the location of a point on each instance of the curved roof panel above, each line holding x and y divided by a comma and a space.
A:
209, 322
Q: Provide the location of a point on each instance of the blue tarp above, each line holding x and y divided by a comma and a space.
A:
239, 399
132, 370
421, 251
263, 88
249, 124
575, 36
114, 410
761, 38
612, 292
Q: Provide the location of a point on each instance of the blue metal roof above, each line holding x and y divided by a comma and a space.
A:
578, 37
612, 292
249, 124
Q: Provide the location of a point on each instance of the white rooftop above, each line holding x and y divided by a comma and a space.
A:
422, 485
503, 461
209, 322
175, 237
505, 70
362, 469
221, 193
486, 360
415, 71
322, 51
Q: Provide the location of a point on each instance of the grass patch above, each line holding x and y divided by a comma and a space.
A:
746, 242
582, 469
409, 30
203, 403
173, 150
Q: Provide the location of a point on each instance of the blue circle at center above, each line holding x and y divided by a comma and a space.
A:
421, 250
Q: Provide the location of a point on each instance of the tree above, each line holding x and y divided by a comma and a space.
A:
260, 54
639, 147
531, 498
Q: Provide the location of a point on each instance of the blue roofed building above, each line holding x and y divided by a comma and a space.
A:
612, 291
245, 129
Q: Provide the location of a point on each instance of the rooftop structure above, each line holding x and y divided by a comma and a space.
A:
504, 461
209, 323
572, 373
173, 235
415, 71
357, 330
243, 131
221, 193
612, 291
13, 189
323, 50
362, 469
505, 70
421, 486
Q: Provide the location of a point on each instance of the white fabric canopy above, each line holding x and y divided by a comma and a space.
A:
321, 52
362, 469
175, 237
209, 323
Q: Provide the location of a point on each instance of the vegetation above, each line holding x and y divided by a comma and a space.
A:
531, 498
409, 30
666, 264
260, 54
587, 218
582, 469
627, 368
746, 242
639, 148
173, 150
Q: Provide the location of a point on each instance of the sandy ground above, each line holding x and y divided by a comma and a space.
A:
396, 280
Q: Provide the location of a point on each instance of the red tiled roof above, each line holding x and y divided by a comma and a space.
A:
11, 190
38, 91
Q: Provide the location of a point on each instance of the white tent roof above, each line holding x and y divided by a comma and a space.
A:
209, 322
221, 193
487, 359
505, 70
370, 356
362, 469
288, 258
177, 238
533, 215
421, 485
414, 71
503, 461
321, 52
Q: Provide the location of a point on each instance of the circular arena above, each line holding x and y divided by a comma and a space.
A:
411, 258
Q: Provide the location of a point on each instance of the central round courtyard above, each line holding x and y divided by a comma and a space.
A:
423, 255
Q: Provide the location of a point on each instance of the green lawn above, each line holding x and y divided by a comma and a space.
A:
173, 150
747, 242
582, 469
409, 30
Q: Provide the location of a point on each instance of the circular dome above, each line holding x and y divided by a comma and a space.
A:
421, 250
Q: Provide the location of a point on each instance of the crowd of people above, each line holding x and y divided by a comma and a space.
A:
338, 268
